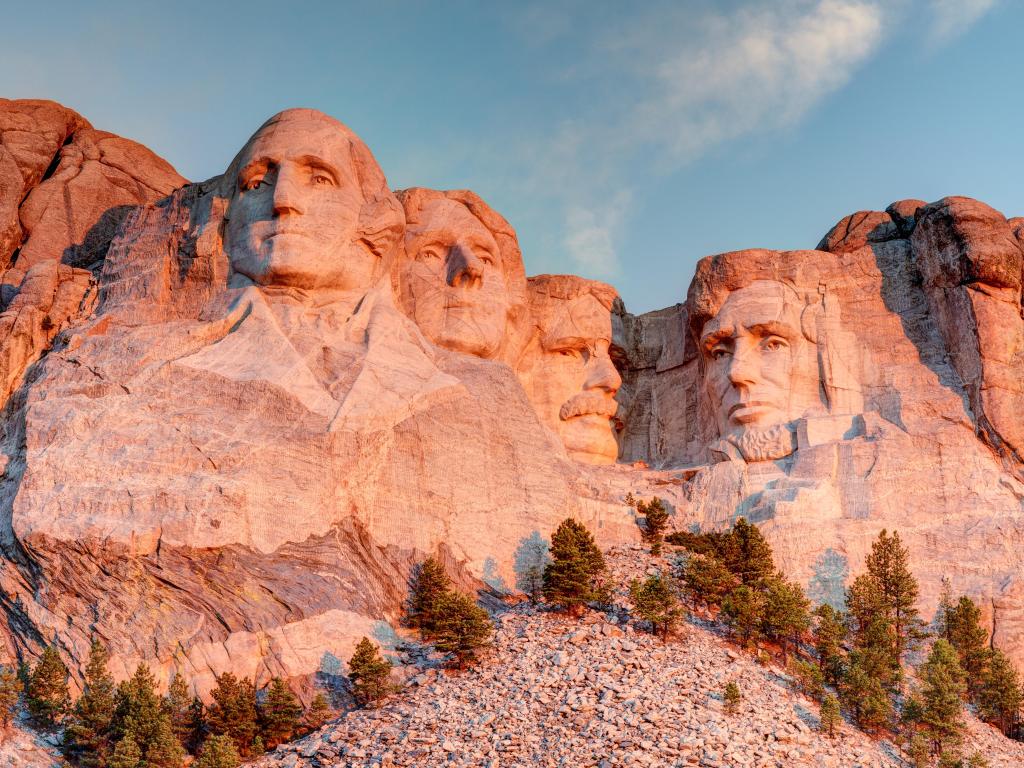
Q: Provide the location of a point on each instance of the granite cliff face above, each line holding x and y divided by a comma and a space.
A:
237, 412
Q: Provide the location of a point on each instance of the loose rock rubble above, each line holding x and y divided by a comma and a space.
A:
21, 747
600, 692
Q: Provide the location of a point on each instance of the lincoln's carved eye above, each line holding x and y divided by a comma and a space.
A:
719, 352
775, 343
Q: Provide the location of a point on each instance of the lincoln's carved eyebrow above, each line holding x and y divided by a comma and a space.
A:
773, 328
708, 340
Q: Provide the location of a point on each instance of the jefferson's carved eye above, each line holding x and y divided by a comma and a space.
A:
322, 179
427, 254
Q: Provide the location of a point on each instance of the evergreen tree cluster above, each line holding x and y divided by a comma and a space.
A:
450, 619
577, 573
654, 521
130, 725
734, 572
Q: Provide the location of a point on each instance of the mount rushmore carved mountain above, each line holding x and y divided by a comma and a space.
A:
237, 412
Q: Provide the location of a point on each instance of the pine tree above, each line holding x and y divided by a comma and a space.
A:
808, 678
47, 697
830, 717
888, 565
463, 627
178, 706
164, 750
429, 582
571, 579
939, 625
279, 714
126, 754
965, 633
319, 712
742, 609
218, 752
10, 690
369, 673
829, 636
655, 522
233, 711
864, 695
707, 580
137, 709
1000, 695
919, 751
731, 696
87, 734
747, 554
195, 733
656, 602
873, 633
942, 692
785, 615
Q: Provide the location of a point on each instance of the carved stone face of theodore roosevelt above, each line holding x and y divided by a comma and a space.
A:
759, 368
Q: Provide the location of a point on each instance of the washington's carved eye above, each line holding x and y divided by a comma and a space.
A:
254, 183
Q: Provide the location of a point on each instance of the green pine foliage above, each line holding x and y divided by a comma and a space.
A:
429, 582
463, 627
919, 751
808, 678
279, 714
197, 730
732, 697
47, 698
142, 725
573, 577
942, 692
888, 567
742, 610
964, 632
233, 712
319, 712
1000, 696
655, 601
178, 706
218, 752
864, 695
830, 719
164, 750
87, 731
785, 616
370, 674
126, 754
655, 522
829, 637
706, 580
747, 554
10, 691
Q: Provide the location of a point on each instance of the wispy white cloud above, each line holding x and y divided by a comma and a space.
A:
590, 234
756, 70
951, 18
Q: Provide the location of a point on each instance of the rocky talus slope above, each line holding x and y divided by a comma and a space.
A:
598, 692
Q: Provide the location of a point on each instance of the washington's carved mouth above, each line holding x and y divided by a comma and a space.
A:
588, 404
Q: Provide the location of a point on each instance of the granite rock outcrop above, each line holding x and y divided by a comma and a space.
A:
237, 412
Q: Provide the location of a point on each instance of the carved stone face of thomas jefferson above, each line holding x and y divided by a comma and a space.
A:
298, 205
759, 368
462, 274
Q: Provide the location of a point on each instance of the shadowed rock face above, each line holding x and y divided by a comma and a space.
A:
238, 412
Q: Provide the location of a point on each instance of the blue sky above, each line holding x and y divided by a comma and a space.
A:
623, 143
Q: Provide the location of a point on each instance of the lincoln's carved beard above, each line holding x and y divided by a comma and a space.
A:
759, 443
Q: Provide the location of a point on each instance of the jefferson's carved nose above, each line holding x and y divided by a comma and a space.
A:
464, 268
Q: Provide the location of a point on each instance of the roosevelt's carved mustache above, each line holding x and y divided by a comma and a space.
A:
588, 403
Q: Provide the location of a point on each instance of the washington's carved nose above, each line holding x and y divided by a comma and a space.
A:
286, 198
464, 268
601, 374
